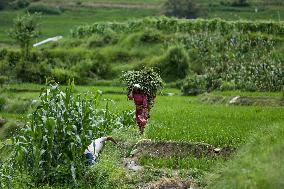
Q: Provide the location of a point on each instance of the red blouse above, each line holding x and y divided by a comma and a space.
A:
139, 99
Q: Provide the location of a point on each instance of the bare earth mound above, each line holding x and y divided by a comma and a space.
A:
179, 149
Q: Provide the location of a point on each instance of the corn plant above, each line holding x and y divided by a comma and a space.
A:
6, 166
50, 148
182, 25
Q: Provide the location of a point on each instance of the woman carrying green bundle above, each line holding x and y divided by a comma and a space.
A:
142, 88
142, 106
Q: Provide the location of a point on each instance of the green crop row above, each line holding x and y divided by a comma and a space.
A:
182, 25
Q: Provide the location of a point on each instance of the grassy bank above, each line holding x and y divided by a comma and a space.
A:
258, 164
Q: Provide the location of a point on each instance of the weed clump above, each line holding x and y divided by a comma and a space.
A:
43, 9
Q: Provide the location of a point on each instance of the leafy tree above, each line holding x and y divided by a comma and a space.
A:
24, 31
182, 8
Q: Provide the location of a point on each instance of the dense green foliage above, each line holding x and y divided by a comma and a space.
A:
149, 81
174, 64
228, 55
51, 145
193, 85
19, 4
240, 53
43, 9
182, 25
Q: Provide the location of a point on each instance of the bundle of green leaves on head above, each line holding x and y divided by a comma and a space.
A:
149, 80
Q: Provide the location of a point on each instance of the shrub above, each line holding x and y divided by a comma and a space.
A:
225, 3
19, 4
93, 69
182, 8
2, 102
13, 57
102, 40
228, 86
176, 84
3, 53
115, 54
43, 9
69, 43
5, 69
64, 58
27, 71
175, 64
3, 80
63, 75
213, 79
151, 36
50, 148
193, 85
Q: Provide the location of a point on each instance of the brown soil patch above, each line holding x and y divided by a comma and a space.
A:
179, 149
169, 183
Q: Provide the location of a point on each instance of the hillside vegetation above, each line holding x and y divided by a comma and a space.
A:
208, 54
58, 17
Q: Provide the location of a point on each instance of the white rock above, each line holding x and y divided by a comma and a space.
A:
217, 150
234, 100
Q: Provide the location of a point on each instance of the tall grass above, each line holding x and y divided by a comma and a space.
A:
258, 164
